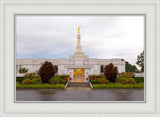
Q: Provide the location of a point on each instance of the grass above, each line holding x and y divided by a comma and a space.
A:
118, 86
40, 86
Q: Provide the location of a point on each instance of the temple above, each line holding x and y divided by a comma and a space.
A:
77, 65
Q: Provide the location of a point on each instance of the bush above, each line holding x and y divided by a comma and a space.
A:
100, 81
23, 70
123, 81
36, 81
55, 80
111, 72
63, 81
131, 81
19, 79
103, 81
26, 81
63, 76
95, 81
30, 76
127, 74
96, 76
119, 79
46, 71
139, 79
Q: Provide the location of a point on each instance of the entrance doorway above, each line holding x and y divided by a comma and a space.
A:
78, 73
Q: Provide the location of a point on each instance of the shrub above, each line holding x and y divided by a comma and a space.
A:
36, 81
23, 70
100, 81
119, 79
55, 80
63, 81
96, 76
131, 81
103, 81
123, 81
19, 79
46, 71
63, 76
111, 72
95, 81
26, 81
139, 79
30, 76
127, 74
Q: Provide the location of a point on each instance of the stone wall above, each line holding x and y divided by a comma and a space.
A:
93, 64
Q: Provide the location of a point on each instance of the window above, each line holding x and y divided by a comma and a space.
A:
16, 67
20, 66
56, 69
102, 69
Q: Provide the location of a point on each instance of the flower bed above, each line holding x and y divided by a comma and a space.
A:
68, 78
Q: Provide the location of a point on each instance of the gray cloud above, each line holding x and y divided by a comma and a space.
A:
102, 36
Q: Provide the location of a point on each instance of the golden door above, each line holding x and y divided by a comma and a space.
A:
78, 73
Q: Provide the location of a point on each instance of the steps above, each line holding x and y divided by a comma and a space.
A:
78, 84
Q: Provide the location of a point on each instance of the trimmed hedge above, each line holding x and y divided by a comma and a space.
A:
96, 76
19, 79
39, 86
139, 79
127, 74
123, 80
62, 76
118, 85
100, 81
57, 80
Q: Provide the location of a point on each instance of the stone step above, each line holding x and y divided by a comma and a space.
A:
78, 84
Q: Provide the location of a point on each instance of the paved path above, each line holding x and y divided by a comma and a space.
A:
80, 94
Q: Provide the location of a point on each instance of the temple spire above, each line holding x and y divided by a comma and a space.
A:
78, 49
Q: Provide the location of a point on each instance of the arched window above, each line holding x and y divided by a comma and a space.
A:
56, 69
102, 69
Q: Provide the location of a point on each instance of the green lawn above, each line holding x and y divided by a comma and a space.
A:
118, 86
40, 86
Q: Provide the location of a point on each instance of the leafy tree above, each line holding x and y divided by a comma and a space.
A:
23, 70
140, 61
110, 72
131, 68
46, 71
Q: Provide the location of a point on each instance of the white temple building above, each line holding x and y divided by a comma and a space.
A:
77, 65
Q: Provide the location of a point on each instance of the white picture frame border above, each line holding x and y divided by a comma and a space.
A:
149, 7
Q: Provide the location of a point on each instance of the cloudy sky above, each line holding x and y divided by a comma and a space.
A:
102, 36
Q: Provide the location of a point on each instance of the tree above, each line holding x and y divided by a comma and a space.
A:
130, 68
140, 61
111, 72
23, 70
46, 71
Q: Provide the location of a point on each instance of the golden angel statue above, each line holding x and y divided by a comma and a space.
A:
78, 30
